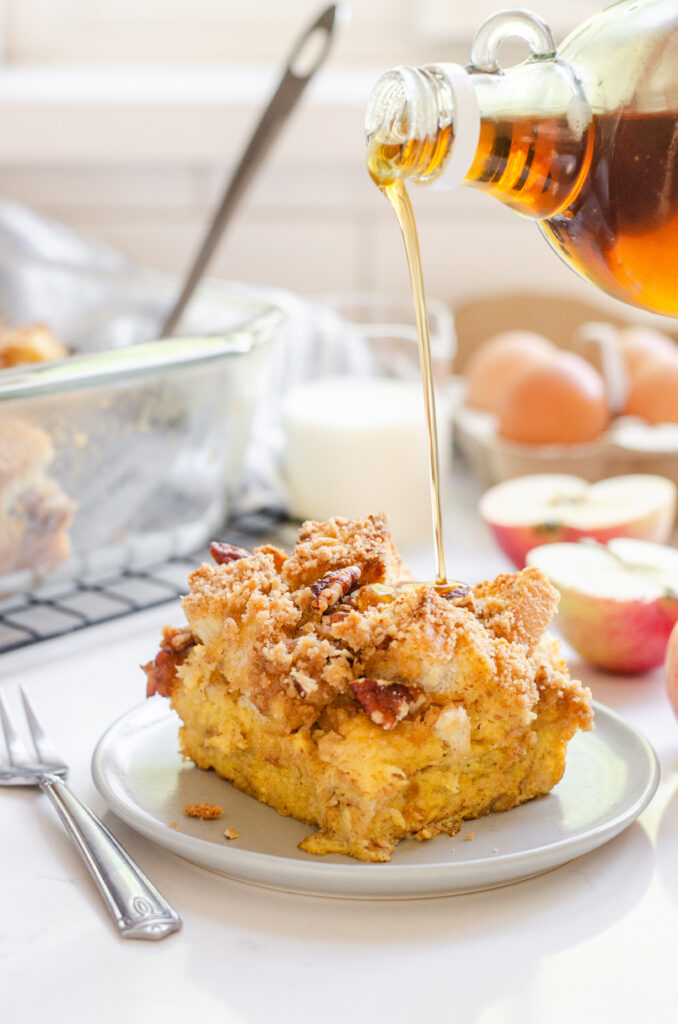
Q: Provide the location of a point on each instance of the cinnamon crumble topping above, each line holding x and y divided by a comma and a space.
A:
323, 684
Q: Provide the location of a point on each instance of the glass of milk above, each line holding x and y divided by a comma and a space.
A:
355, 437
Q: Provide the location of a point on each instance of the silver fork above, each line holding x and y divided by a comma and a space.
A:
138, 909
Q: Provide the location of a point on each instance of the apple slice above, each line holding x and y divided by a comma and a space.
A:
671, 670
618, 601
549, 508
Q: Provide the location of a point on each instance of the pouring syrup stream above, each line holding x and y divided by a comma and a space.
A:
394, 190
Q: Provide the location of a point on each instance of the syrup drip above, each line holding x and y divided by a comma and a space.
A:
395, 192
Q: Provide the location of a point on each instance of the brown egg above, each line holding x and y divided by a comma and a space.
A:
653, 395
497, 363
643, 345
559, 402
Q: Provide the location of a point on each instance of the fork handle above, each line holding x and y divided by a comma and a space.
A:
138, 909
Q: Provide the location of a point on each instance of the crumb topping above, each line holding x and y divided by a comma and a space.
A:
333, 687
323, 547
336, 629
517, 607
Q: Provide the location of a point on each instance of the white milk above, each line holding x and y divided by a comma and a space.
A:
358, 445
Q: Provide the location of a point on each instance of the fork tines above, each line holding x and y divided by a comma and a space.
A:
19, 756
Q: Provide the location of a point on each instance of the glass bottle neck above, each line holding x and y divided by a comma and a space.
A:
408, 125
534, 145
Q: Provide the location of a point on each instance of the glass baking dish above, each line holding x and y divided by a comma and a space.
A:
130, 450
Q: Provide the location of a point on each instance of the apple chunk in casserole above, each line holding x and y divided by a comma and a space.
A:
376, 710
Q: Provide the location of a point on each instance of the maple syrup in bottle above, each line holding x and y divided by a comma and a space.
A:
621, 230
583, 140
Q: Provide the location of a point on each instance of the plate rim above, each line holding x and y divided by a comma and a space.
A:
361, 880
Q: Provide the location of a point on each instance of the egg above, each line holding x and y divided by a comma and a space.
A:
499, 361
643, 345
562, 401
653, 395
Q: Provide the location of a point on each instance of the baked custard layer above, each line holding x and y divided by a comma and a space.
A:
371, 708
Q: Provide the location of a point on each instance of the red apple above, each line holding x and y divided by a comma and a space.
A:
549, 508
671, 669
618, 602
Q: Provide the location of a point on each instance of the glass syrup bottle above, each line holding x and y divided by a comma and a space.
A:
583, 140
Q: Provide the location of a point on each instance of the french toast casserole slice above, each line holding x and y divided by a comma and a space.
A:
329, 686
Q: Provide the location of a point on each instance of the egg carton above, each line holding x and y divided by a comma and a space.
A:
628, 446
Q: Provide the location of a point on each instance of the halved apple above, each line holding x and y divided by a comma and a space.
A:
549, 508
618, 601
671, 670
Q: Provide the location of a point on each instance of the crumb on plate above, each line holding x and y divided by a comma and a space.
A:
206, 812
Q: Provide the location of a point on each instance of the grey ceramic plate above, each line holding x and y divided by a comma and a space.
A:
611, 776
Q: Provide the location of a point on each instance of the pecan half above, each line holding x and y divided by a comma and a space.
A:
162, 671
338, 615
224, 553
385, 703
329, 589
178, 639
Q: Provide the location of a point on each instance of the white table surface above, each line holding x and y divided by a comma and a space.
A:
594, 940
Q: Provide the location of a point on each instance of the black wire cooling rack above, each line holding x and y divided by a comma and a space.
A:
53, 610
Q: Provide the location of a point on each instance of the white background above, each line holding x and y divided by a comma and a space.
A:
124, 119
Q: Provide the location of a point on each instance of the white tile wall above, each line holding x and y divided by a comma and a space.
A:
84, 31
307, 230
394, 31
